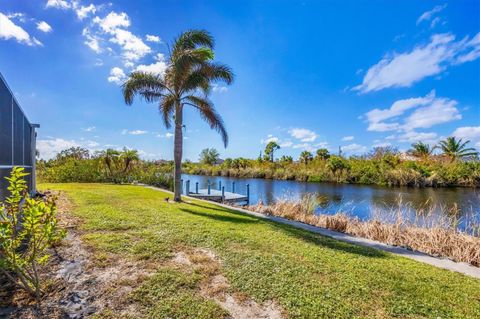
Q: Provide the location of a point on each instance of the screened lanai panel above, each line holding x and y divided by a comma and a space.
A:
5, 125
27, 147
18, 142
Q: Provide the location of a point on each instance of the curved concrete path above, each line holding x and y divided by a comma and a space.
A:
444, 263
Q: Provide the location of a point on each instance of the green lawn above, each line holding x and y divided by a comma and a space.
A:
308, 275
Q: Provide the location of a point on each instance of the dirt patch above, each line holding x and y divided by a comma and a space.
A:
217, 288
78, 286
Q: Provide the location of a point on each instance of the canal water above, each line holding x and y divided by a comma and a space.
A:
362, 201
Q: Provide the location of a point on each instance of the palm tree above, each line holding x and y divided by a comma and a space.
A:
188, 81
270, 149
305, 157
128, 157
422, 150
209, 156
109, 158
323, 154
456, 149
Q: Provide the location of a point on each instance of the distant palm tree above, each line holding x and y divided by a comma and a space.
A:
305, 157
422, 150
270, 149
188, 81
109, 158
456, 149
128, 157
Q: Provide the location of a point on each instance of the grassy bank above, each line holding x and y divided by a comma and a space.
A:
304, 275
386, 170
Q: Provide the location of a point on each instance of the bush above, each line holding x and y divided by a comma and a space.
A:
28, 227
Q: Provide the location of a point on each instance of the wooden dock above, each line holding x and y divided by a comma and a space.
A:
218, 195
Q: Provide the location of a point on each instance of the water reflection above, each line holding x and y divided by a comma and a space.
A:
359, 200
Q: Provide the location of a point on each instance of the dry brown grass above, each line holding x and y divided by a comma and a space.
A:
427, 233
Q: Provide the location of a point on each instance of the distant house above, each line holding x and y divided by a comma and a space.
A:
219, 161
17, 139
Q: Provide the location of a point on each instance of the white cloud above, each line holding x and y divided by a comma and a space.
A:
285, 144
404, 69
9, 30
304, 146
152, 38
435, 22
117, 76
132, 46
219, 89
428, 15
134, 132
113, 21
348, 138
426, 112
17, 15
44, 27
115, 24
158, 67
303, 134
469, 133
89, 129
474, 54
439, 111
166, 135
58, 4
50, 147
270, 138
354, 148
92, 41
84, 11
414, 137
138, 132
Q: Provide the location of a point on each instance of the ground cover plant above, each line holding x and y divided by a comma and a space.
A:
285, 271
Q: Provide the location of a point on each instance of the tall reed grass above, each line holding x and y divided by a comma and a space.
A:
428, 231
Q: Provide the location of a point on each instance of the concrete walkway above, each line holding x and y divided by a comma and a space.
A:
448, 264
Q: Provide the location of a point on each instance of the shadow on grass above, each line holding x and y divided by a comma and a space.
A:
222, 218
301, 234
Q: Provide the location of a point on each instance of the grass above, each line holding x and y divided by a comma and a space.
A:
308, 275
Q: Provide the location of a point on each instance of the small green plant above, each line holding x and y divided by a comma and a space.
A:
28, 227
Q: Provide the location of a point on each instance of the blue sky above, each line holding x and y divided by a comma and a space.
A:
309, 74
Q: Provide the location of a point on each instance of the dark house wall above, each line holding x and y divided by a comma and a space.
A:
17, 139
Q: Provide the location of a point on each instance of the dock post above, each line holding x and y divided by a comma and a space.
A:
208, 187
223, 193
233, 187
196, 188
219, 185
248, 194
188, 187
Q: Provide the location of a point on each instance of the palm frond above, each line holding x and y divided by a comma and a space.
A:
190, 40
167, 108
217, 72
150, 86
209, 114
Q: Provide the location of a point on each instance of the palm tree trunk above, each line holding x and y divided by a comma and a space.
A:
177, 152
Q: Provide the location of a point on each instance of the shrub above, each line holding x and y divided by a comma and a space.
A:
28, 227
